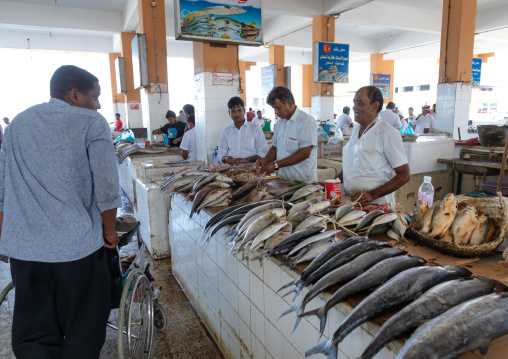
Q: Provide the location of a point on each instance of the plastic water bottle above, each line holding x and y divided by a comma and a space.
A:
426, 191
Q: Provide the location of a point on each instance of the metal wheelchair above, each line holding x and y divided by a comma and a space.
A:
138, 308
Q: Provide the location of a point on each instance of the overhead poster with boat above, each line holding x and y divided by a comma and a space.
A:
230, 21
382, 82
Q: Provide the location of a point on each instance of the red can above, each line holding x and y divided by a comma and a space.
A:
147, 143
332, 187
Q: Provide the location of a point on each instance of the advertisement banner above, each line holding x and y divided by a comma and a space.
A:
476, 73
230, 21
268, 79
382, 82
331, 62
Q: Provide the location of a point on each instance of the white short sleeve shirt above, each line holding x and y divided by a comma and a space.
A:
189, 144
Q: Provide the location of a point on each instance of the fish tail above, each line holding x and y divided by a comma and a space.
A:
321, 313
285, 286
333, 353
318, 349
292, 309
297, 290
288, 293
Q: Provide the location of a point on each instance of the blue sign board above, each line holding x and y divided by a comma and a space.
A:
382, 82
476, 72
268, 79
331, 62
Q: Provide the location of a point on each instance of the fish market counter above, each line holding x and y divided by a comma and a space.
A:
237, 300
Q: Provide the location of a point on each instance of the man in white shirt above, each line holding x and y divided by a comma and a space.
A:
424, 120
243, 142
188, 145
294, 149
344, 122
374, 152
390, 117
181, 117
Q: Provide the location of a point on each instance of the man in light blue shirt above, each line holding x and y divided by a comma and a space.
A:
58, 198
294, 145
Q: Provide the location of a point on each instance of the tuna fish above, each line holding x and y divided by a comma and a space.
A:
433, 302
402, 288
375, 276
470, 325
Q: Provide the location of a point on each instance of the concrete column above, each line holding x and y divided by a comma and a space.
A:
118, 98
323, 29
277, 57
211, 100
454, 88
244, 66
155, 98
386, 67
134, 111
308, 83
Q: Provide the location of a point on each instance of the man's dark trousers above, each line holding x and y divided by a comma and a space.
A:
61, 309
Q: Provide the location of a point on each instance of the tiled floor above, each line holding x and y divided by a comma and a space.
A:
185, 336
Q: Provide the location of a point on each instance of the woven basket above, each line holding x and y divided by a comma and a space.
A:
494, 207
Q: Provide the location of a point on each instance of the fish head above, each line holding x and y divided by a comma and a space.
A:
420, 259
461, 271
483, 218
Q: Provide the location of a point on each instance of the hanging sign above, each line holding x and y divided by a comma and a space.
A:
382, 82
230, 21
476, 73
331, 62
268, 79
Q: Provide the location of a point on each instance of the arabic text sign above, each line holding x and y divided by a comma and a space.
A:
230, 21
331, 62
221, 78
382, 82
268, 78
476, 72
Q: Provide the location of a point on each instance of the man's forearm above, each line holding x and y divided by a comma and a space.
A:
109, 220
272, 154
297, 157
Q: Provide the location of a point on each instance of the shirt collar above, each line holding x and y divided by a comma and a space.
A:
296, 115
58, 102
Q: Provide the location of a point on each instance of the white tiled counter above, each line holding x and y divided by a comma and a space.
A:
237, 302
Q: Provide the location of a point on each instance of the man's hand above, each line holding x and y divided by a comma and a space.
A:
260, 162
176, 140
157, 132
240, 161
268, 168
362, 197
111, 239
230, 161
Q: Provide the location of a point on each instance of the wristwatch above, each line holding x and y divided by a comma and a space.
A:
276, 165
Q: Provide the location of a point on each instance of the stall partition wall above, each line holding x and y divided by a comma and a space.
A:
236, 298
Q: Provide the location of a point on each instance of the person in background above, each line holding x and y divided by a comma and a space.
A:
6, 122
173, 129
250, 115
188, 110
410, 117
401, 115
374, 152
118, 123
344, 122
334, 118
424, 120
181, 117
433, 111
390, 117
188, 144
294, 150
57, 212
243, 142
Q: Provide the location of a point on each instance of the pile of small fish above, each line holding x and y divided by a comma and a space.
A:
442, 294
374, 222
445, 221
219, 167
123, 151
243, 173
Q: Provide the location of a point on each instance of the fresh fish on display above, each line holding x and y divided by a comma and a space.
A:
310, 253
244, 190
420, 210
305, 191
430, 304
464, 225
297, 218
351, 216
481, 230
343, 210
205, 180
127, 151
427, 218
443, 216
302, 206
221, 184
285, 192
200, 196
317, 237
317, 220
402, 288
368, 218
183, 181
470, 325
343, 274
225, 222
294, 239
259, 209
318, 207
214, 197
261, 223
372, 278
267, 233
277, 238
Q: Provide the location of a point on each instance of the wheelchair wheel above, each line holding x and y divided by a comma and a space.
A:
135, 317
6, 316
159, 316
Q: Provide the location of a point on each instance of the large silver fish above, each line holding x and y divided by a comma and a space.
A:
470, 325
